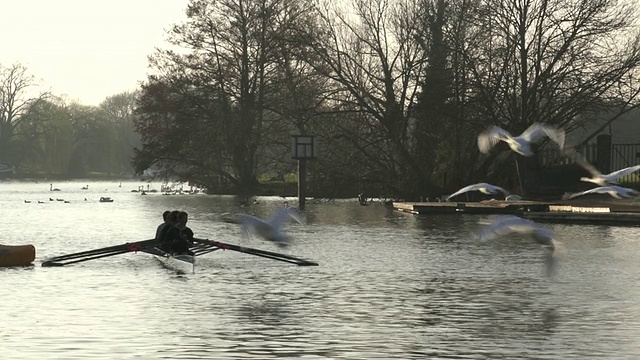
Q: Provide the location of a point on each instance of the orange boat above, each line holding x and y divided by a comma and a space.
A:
17, 255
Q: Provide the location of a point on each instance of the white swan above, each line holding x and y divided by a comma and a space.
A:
505, 225
596, 176
520, 144
270, 229
482, 187
617, 192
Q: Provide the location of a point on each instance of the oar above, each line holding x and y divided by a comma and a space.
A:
66, 262
257, 252
139, 244
300, 262
99, 253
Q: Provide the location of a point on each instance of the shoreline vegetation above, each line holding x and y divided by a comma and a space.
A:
262, 188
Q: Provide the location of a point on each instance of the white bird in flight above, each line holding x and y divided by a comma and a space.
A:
505, 225
520, 144
617, 192
482, 187
270, 229
596, 176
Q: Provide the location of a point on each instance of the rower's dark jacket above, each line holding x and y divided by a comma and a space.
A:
187, 234
168, 235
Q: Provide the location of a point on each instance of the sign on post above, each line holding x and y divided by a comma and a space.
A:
303, 147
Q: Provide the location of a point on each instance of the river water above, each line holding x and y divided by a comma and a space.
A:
389, 285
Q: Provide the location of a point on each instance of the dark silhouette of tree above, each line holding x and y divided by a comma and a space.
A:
212, 106
44, 138
94, 141
397, 91
368, 51
17, 96
119, 110
512, 63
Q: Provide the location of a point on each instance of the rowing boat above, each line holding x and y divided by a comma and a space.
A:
180, 263
183, 263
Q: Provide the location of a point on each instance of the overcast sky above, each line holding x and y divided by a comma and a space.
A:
85, 49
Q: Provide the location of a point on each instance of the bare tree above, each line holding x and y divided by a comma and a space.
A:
227, 77
44, 138
551, 60
515, 62
368, 51
18, 94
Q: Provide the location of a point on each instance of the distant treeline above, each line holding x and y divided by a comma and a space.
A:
396, 92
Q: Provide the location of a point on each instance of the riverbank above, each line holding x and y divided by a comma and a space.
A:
262, 188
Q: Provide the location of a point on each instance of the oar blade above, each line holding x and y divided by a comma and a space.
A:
257, 252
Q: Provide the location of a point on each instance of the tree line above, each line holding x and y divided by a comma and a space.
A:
396, 91
42, 135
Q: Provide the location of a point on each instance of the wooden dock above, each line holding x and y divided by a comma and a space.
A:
609, 218
592, 212
482, 207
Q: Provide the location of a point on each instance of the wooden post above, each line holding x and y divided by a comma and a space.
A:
302, 177
303, 147
603, 153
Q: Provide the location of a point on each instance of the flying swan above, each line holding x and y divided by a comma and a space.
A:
597, 177
505, 225
520, 144
617, 192
270, 229
482, 187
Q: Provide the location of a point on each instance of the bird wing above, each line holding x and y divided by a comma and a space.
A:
278, 219
543, 236
295, 216
537, 131
582, 161
483, 187
505, 225
463, 190
252, 225
495, 189
622, 172
598, 190
622, 192
488, 138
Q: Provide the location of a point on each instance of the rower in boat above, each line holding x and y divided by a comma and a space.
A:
185, 232
171, 238
165, 222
